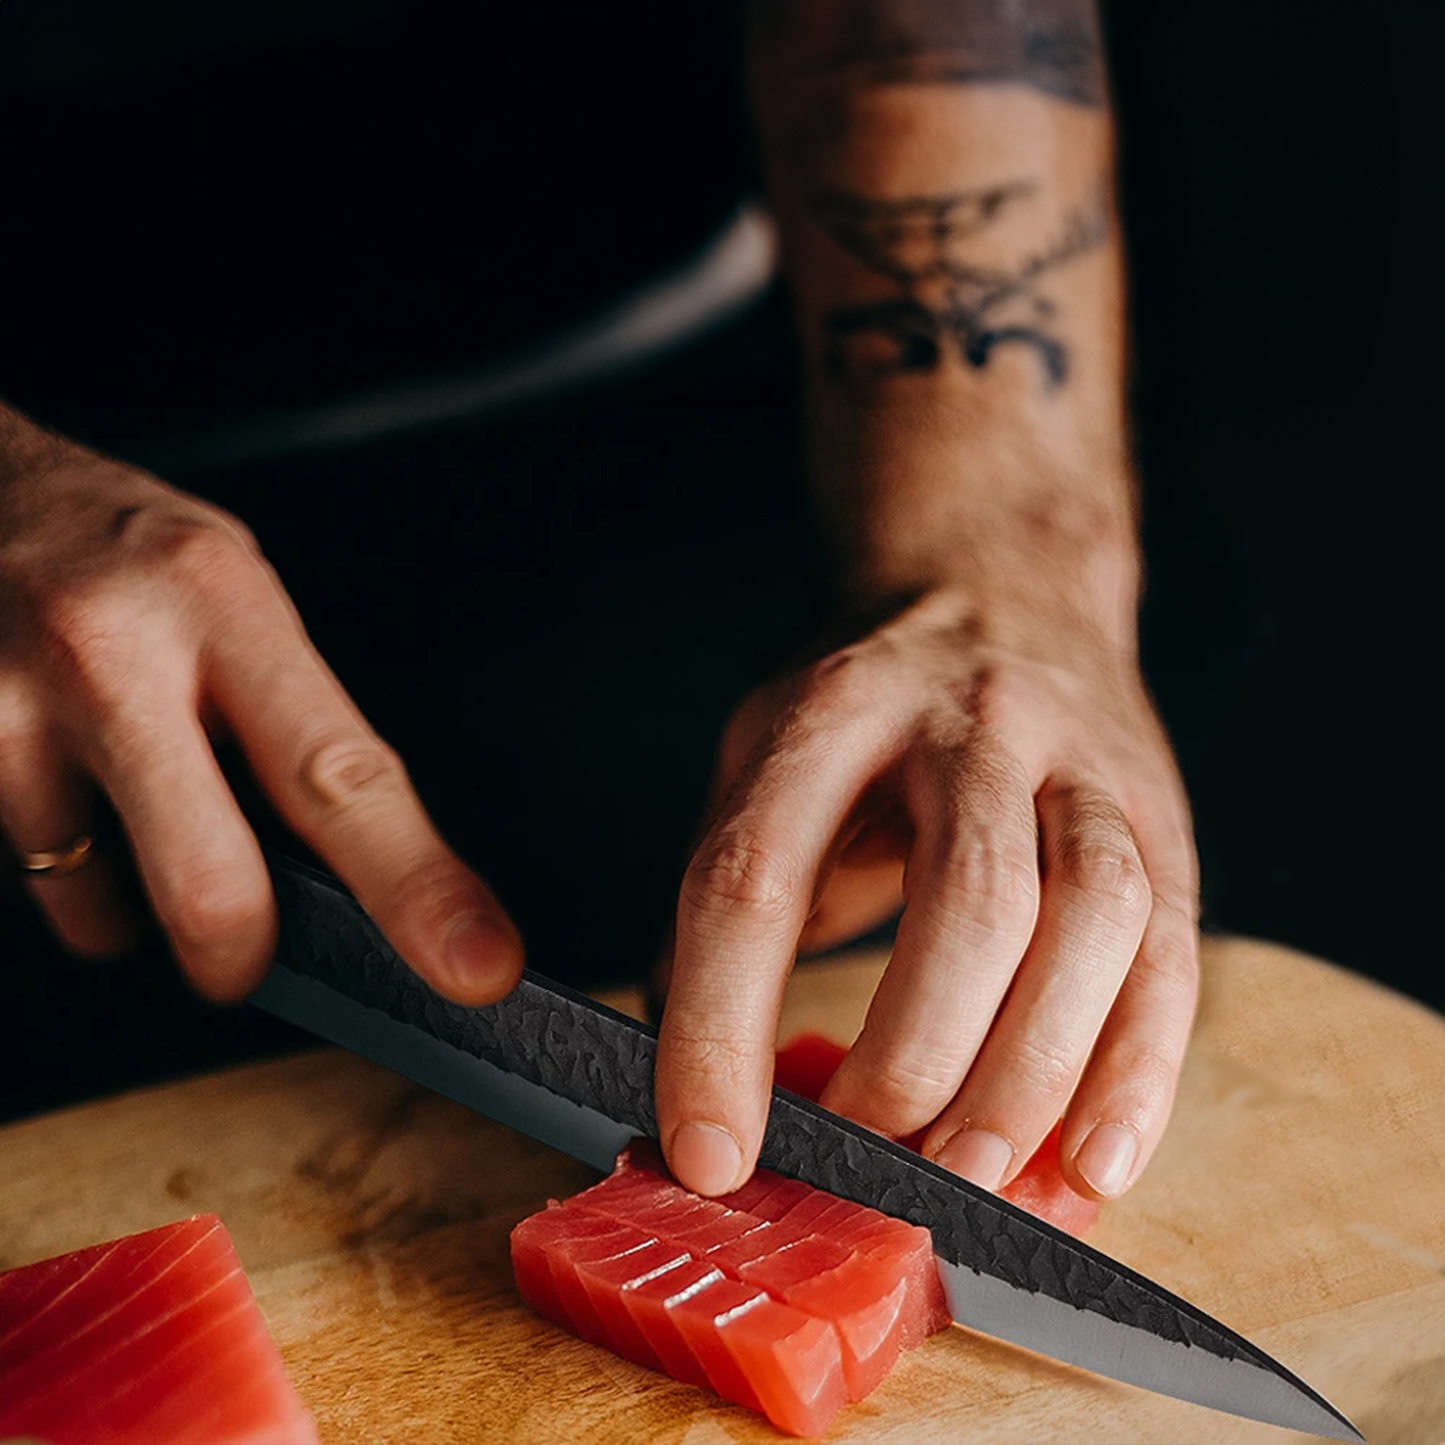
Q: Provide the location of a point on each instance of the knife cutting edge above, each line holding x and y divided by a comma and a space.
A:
578, 1076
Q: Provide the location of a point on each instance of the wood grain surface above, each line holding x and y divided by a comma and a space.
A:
1299, 1196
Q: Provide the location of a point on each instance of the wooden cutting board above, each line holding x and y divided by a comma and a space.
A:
1299, 1196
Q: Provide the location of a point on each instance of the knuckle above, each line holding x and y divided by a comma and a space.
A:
243, 536
210, 559
1108, 872
989, 883
979, 700
740, 873
904, 1090
1140, 1083
1152, 1074
89, 643
1180, 906
707, 1051
345, 770
696, 1065
1045, 1067
75, 613
840, 684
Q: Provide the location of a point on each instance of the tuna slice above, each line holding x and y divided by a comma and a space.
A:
154, 1339
772, 1311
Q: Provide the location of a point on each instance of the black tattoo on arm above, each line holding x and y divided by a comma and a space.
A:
1051, 44
960, 292
912, 239
976, 308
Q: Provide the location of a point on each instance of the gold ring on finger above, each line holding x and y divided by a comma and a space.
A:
56, 862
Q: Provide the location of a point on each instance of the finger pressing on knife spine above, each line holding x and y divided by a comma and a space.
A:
744, 901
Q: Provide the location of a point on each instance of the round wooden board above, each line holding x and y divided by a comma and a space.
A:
1299, 1196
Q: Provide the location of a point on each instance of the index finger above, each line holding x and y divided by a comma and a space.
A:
743, 904
347, 794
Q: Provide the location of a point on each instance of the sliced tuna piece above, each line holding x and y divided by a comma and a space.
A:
650, 1303
148, 1340
531, 1268
764, 1354
547, 1250
608, 1283
865, 1296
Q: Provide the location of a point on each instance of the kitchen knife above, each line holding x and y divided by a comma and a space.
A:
578, 1076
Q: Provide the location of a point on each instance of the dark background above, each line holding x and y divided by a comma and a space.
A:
213, 211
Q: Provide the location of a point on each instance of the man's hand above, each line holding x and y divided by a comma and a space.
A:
138, 623
1019, 798
942, 177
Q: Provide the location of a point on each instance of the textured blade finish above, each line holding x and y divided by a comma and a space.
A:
579, 1076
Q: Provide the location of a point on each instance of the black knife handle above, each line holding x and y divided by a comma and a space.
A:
542, 1031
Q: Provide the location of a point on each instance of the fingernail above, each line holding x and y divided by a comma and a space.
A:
478, 950
1106, 1157
706, 1157
977, 1155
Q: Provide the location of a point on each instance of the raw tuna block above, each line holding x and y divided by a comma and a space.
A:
1039, 1187
807, 1064
782, 1314
874, 1280
154, 1339
657, 1305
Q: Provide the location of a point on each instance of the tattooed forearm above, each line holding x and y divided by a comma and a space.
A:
949, 296
957, 150
942, 176
1050, 44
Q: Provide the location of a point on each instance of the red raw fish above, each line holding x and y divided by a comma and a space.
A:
765, 1355
771, 1311
618, 1285
155, 1339
806, 1064
781, 1297
880, 1290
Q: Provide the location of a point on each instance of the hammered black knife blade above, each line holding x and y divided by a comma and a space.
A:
578, 1076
